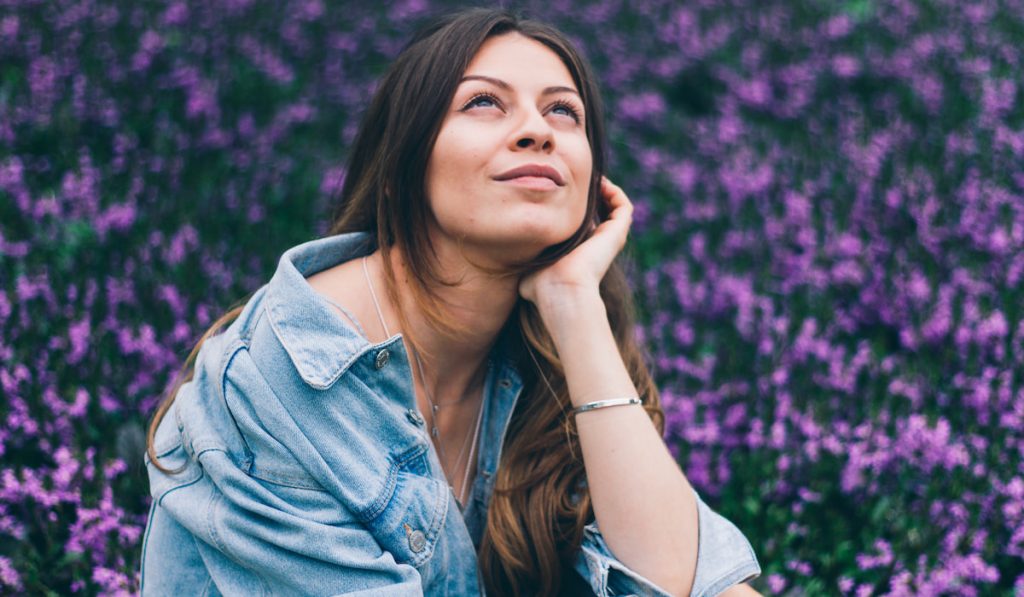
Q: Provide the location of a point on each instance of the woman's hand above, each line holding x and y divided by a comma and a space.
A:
585, 266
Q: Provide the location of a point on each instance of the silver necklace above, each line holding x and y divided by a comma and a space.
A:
434, 407
437, 434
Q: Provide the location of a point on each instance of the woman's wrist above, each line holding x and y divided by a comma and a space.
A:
565, 309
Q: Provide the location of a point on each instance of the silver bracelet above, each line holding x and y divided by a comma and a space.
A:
605, 403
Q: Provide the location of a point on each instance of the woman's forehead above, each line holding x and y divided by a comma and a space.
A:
518, 60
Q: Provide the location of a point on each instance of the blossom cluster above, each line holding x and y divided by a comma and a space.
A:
827, 253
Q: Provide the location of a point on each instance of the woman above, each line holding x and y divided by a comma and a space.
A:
444, 395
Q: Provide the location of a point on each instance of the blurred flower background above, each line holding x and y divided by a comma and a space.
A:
827, 255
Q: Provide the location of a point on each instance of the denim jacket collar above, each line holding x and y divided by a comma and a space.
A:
318, 342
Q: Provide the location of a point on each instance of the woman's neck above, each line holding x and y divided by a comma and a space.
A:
480, 304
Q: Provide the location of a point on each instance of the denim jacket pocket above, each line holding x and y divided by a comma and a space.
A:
412, 514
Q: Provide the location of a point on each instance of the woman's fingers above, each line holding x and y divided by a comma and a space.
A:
620, 207
615, 196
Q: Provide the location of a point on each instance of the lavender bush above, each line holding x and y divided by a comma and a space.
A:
827, 254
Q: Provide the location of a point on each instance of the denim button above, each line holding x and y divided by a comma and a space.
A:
414, 417
417, 541
382, 359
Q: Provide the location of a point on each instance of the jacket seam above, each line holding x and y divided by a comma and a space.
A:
440, 512
287, 480
206, 587
234, 348
162, 451
380, 503
145, 544
166, 492
246, 331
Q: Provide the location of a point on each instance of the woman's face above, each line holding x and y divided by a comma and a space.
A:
516, 106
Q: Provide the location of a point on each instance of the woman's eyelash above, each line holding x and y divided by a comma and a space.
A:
478, 96
572, 109
574, 113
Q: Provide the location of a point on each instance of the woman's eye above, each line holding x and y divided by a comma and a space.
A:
481, 98
570, 110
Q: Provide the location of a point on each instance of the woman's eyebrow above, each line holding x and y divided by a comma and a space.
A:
507, 87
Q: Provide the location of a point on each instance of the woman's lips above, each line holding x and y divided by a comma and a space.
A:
533, 183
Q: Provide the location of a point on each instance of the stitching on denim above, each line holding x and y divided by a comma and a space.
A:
211, 526
236, 347
145, 543
175, 438
162, 451
432, 534
246, 331
383, 498
287, 480
440, 513
207, 445
181, 485
247, 464
206, 588
380, 503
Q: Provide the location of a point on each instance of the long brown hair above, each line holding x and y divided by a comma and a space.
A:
540, 502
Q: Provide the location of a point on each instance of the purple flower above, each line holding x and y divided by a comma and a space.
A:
8, 575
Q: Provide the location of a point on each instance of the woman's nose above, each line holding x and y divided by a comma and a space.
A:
535, 131
526, 142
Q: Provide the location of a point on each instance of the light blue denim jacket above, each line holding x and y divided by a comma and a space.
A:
308, 471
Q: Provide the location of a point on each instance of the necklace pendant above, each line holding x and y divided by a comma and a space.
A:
435, 407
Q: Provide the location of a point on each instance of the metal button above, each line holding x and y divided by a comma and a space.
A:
414, 417
417, 541
382, 359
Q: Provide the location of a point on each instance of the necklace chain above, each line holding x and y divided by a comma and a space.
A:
435, 432
435, 407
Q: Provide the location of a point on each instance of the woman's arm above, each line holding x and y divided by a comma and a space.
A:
644, 505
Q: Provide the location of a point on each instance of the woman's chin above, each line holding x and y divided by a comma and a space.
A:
514, 253
510, 240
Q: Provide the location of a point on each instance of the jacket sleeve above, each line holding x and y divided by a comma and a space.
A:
724, 558
247, 535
